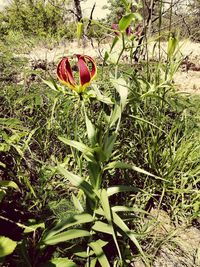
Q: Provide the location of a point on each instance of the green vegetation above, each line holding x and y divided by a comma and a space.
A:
82, 175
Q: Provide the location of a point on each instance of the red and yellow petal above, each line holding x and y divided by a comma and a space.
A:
94, 67
64, 73
84, 73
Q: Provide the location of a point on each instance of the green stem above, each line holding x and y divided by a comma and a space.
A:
123, 48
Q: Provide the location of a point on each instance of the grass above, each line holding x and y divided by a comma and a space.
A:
159, 133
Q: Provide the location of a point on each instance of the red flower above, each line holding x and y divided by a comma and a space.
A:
86, 75
115, 27
129, 31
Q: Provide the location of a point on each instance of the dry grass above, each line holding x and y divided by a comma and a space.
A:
185, 81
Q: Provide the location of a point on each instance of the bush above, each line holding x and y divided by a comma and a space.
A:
37, 19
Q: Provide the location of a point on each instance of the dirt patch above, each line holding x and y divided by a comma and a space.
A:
182, 249
187, 79
188, 82
64, 49
175, 245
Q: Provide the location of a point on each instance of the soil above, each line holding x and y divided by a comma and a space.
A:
178, 246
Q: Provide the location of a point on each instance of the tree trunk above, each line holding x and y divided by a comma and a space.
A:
77, 5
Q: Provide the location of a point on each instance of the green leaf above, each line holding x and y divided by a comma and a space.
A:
7, 246
1, 163
106, 56
97, 248
128, 209
148, 122
69, 222
7, 183
107, 213
125, 21
105, 205
28, 184
102, 227
51, 84
100, 96
34, 227
172, 45
84, 254
116, 39
87, 151
116, 114
12, 123
77, 203
99, 155
119, 222
137, 16
121, 165
78, 182
60, 262
93, 262
79, 30
109, 143
95, 174
2, 194
125, 3
90, 131
65, 236
121, 188
121, 87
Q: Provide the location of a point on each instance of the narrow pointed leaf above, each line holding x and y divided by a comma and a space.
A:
77, 203
106, 56
90, 131
84, 254
96, 246
69, 222
121, 188
119, 222
107, 213
105, 205
128, 209
100, 96
78, 182
125, 21
93, 262
51, 84
121, 165
121, 87
116, 114
116, 39
109, 144
66, 236
102, 227
172, 45
6, 183
60, 262
33, 228
87, 151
